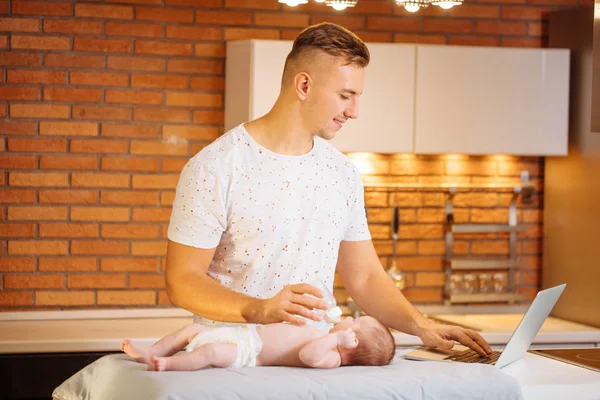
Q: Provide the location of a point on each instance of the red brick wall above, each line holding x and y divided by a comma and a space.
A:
103, 102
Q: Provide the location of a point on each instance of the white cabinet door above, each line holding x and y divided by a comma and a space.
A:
386, 108
385, 122
475, 100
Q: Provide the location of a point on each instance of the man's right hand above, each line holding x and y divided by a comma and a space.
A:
290, 304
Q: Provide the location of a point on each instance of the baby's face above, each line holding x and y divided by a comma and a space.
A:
349, 322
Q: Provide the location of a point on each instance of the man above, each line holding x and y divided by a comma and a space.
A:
270, 206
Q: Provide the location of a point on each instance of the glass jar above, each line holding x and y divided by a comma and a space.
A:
456, 284
500, 282
486, 284
470, 283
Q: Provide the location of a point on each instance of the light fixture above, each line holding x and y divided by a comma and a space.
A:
340, 4
319, 1
293, 3
446, 4
413, 5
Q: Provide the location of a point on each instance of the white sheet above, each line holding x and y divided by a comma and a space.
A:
116, 377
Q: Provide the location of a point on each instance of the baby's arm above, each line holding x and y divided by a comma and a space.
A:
323, 353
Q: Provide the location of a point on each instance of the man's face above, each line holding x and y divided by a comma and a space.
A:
334, 98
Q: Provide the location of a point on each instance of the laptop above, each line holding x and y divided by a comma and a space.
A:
519, 341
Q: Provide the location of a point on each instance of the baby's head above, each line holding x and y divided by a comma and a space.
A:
376, 345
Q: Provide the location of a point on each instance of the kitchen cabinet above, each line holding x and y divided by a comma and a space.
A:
386, 108
478, 100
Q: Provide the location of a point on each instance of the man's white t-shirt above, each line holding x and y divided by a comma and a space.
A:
274, 219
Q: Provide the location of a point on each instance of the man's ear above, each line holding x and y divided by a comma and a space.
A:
303, 84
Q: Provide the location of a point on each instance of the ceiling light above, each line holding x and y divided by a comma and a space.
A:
340, 4
293, 3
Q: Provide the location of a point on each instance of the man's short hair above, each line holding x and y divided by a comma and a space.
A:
331, 39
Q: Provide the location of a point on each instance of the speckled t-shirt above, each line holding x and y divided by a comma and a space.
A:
274, 219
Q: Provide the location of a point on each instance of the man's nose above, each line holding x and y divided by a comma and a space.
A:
352, 111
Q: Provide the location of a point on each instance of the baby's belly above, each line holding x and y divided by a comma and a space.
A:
282, 344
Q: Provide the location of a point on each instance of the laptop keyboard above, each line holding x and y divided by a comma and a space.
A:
471, 356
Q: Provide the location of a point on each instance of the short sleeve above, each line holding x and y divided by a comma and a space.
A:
199, 215
358, 227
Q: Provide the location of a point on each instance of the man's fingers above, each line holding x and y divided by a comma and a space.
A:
302, 288
287, 317
479, 339
308, 301
296, 309
463, 338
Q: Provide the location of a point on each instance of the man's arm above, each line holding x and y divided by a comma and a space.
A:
189, 287
367, 282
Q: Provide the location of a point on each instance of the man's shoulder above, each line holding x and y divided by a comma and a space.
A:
219, 152
335, 156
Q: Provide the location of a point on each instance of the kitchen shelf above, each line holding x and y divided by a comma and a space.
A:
486, 228
472, 264
487, 297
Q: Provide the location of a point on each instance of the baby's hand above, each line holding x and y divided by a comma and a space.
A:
347, 339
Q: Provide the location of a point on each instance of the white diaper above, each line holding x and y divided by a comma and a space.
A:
249, 343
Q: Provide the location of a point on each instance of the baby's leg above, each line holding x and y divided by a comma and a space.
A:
218, 355
166, 346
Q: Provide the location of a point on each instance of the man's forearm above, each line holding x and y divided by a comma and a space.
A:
204, 296
378, 296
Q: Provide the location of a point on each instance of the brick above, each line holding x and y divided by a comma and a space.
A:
251, 4
447, 26
196, 3
374, 37
190, 132
68, 230
98, 146
69, 128
17, 264
159, 81
130, 130
126, 297
537, 29
380, 231
99, 247
72, 26
136, 63
19, 25
431, 215
133, 29
67, 264
421, 231
406, 199
501, 28
554, 2
421, 263
84, 179
376, 199
4, 7
167, 198
40, 42
371, 7
37, 247
151, 214
524, 42
352, 22
99, 213
34, 213
98, 78
490, 247
3, 41
96, 281
129, 197
68, 196
32, 77
215, 83
17, 230
102, 45
64, 298
475, 11
103, 11
39, 111
72, 95
164, 14
133, 97
396, 24
129, 231
431, 247
146, 281
223, 17
160, 115
155, 181
489, 216
430, 279
471, 167
17, 59
533, 216
54, 281
38, 179
129, 264
216, 117
137, 1
73, 61
13, 299
149, 248
193, 33
474, 41
420, 39
158, 148
215, 50
189, 99
476, 200
163, 48
102, 113
41, 8
37, 145
530, 13
195, 66
19, 196
17, 162
129, 164
418, 295
250, 33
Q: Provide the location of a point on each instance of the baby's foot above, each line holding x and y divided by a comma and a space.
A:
157, 364
138, 353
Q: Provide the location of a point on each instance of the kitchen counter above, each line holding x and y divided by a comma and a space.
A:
104, 330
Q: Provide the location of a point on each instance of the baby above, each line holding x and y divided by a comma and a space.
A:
361, 341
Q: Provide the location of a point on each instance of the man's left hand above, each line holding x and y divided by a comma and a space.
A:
443, 336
